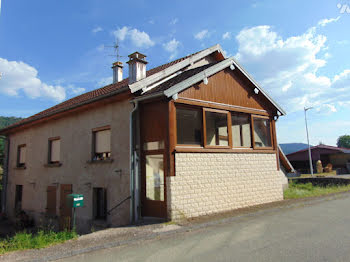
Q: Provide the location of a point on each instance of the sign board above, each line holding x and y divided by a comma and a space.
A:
75, 200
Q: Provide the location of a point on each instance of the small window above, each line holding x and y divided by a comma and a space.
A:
241, 134
216, 129
189, 126
54, 150
102, 144
18, 198
262, 132
21, 156
100, 203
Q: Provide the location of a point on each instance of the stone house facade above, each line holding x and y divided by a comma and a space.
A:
192, 137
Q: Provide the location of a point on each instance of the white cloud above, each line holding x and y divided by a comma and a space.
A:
138, 38
289, 68
326, 21
75, 90
174, 21
97, 29
105, 81
18, 77
226, 35
172, 47
202, 34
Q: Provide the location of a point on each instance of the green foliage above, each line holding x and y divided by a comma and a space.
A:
24, 240
344, 141
4, 122
308, 190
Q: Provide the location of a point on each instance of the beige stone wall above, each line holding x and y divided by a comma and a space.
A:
76, 143
207, 183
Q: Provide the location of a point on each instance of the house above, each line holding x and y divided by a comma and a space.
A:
337, 156
192, 137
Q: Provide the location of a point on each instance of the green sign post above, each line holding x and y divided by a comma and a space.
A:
73, 201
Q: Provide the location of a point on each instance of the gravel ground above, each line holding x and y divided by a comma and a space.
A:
120, 236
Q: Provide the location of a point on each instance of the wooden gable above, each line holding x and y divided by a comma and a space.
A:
230, 88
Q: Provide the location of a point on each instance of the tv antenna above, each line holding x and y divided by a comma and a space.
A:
116, 49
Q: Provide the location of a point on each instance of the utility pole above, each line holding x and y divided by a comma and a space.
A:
308, 141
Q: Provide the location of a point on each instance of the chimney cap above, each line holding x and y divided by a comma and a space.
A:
117, 64
137, 55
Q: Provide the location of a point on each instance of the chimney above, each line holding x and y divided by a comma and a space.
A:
137, 67
117, 72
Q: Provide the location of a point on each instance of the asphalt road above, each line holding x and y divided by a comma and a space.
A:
317, 232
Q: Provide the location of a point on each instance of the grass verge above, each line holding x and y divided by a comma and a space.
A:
308, 190
24, 240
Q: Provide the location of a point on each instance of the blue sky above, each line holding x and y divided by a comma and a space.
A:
297, 50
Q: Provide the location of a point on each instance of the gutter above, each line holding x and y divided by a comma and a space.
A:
5, 174
133, 206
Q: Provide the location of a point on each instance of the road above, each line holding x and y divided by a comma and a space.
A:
317, 232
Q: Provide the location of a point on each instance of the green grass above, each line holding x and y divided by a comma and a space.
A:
332, 173
24, 240
308, 190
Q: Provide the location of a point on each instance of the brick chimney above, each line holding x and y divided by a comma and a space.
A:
117, 72
137, 67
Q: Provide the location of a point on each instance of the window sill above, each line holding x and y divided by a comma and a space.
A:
100, 161
20, 167
222, 150
53, 165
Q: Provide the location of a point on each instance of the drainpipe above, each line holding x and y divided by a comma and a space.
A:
5, 174
133, 214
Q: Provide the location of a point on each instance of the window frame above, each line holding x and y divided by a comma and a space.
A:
93, 147
199, 109
253, 132
241, 137
49, 161
18, 164
204, 126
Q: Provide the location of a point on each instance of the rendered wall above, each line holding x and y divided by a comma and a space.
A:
207, 183
76, 143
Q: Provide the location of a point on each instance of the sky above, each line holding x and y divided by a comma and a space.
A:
298, 51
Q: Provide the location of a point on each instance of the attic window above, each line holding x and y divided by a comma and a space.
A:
102, 143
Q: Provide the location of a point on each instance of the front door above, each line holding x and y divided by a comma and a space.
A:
153, 184
65, 211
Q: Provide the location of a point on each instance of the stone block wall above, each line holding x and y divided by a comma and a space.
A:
207, 183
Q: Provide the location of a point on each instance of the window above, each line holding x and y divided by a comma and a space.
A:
102, 144
189, 126
262, 132
18, 198
54, 150
216, 128
21, 156
241, 134
99, 203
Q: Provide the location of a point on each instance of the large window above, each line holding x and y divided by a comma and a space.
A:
216, 128
262, 132
102, 144
21, 156
241, 134
54, 150
189, 126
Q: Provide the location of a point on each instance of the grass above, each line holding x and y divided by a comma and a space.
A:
24, 240
308, 190
332, 173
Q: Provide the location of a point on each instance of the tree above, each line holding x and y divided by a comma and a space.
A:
344, 141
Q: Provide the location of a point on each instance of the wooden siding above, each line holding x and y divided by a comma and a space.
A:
230, 88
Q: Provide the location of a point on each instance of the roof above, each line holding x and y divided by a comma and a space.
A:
91, 96
326, 147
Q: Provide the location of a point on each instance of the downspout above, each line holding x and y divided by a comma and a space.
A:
5, 174
133, 217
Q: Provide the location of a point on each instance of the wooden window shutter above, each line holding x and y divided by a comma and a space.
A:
51, 200
22, 154
55, 150
103, 141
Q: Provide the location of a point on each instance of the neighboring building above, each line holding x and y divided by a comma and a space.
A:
192, 137
338, 157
